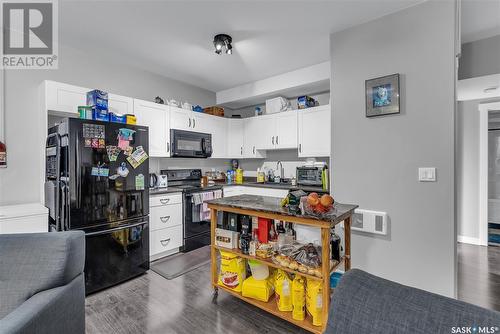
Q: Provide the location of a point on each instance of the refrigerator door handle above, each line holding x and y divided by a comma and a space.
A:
115, 229
78, 172
57, 206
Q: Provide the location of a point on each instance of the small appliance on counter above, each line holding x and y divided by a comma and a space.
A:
153, 180
162, 181
309, 176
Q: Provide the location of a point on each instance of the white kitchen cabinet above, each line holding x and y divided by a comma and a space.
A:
217, 127
156, 117
120, 105
276, 131
286, 130
251, 139
165, 228
165, 240
235, 130
181, 119
314, 132
266, 126
63, 99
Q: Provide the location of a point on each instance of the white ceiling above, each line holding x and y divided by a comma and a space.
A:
480, 19
174, 38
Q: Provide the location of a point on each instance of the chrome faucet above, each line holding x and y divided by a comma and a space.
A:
280, 170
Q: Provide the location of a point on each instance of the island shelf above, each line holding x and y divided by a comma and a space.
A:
269, 207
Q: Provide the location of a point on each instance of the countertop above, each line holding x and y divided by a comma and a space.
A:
160, 191
272, 205
276, 186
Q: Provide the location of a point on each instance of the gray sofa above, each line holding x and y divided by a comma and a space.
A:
363, 303
42, 286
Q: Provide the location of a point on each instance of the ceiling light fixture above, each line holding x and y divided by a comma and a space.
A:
221, 42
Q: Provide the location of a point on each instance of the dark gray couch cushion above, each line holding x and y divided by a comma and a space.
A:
30, 263
363, 303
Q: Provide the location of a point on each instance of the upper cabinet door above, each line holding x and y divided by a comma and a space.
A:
266, 132
120, 105
286, 130
251, 138
314, 132
217, 127
235, 131
156, 117
64, 99
181, 119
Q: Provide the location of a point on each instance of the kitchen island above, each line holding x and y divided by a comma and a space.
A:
270, 208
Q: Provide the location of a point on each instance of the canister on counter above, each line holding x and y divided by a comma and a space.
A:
239, 176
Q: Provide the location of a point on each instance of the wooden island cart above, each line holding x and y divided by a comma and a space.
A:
270, 208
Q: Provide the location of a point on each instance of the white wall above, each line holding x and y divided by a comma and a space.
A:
19, 182
480, 58
375, 161
467, 169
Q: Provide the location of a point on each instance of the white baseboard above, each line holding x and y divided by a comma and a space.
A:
468, 240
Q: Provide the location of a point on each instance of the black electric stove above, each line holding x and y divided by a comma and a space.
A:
196, 225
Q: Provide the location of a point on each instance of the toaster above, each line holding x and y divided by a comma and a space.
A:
162, 181
309, 176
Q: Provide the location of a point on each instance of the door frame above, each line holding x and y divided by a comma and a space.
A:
484, 109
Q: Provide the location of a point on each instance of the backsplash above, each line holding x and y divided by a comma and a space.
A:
288, 158
157, 164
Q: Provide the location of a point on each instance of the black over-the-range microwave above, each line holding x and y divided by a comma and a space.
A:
189, 144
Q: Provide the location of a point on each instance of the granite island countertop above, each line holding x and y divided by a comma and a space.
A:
273, 205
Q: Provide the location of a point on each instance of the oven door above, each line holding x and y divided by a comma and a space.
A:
195, 223
115, 254
189, 144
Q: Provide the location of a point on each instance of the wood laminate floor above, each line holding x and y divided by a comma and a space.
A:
479, 275
153, 304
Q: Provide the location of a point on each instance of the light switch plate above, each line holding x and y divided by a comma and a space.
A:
427, 174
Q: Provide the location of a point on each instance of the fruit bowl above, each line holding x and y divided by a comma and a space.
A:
321, 207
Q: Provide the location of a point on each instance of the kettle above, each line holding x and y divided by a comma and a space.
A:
153, 180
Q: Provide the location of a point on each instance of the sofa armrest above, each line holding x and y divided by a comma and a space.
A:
363, 303
58, 310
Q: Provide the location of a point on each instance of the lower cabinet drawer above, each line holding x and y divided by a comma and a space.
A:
165, 239
166, 199
165, 216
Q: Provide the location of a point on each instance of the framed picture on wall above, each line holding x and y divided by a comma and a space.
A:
382, 96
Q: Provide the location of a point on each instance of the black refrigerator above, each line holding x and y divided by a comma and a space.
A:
96, 174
